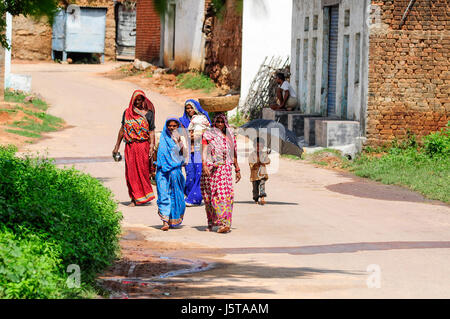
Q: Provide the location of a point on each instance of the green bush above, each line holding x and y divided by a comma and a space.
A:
195, 81
29, 267
438, 143
65, 206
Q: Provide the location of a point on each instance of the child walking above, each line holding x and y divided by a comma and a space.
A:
258, 160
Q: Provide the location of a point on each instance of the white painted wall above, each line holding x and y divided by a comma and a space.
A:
8, 52
189, 39
266, 31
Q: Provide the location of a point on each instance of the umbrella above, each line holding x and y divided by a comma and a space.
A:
276, 135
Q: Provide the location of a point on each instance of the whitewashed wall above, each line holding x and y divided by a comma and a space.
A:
266, 31
189, 39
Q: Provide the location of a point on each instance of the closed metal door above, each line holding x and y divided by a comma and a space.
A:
58, 32
87, 34
126, 31
332, 64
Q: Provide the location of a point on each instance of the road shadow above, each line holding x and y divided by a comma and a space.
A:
215, 228
267, 203
143, 205
171, 229
365, 188
103, 179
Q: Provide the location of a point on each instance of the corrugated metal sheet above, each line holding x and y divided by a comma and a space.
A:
89, 34
332, 65
58, 31
126, 32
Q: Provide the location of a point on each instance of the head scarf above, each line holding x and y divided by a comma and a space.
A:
213, 136
169, 156
185, 119
136, 126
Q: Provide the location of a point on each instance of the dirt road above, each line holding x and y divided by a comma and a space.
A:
322, 234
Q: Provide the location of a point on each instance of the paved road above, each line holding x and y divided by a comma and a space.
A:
323, 234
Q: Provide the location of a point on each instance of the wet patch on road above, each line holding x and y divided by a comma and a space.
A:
373, 190
78, 160
145, 268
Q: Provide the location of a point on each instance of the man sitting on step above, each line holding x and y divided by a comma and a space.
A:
286, 97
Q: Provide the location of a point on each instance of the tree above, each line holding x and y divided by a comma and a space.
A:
32, 8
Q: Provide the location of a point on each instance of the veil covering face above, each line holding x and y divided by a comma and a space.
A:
136, 126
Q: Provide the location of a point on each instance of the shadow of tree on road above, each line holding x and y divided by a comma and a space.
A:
267, 203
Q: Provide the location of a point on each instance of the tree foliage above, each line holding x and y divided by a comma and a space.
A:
32, 8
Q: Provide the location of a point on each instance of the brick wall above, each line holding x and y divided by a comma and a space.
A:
148, 32
409, 70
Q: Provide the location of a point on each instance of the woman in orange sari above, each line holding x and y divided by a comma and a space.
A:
138, 131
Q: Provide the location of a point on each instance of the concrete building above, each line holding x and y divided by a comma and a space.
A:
183, 41
371, 69
266, 32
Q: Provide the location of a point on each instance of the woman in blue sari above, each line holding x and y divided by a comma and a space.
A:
170, 181
194, 167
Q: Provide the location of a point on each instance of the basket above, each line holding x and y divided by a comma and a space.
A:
220, 103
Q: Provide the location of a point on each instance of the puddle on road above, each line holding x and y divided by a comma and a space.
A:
145, 269
78, 160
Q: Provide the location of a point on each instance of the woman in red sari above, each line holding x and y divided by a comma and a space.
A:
138, 130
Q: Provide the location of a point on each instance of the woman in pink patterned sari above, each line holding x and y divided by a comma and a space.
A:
218, 156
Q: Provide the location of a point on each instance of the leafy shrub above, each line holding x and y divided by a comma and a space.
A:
438, 143
68, 207
195, 81
29, 266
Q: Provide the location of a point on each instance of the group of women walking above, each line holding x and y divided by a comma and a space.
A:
208, 158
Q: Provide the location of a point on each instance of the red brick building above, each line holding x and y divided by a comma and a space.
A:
148, 32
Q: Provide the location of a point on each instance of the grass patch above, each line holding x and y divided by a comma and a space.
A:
24, 133
20, 97
328, 157
238, 120
195, 81
410, 168
35, 121
292, 157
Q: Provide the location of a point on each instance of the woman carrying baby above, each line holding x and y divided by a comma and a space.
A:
195, 120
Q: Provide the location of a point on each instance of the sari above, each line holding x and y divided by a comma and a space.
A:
193, 168
170, 181
136, 134
217, 189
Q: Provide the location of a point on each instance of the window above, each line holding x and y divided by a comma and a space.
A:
315, 22
347, 18
357, 56
306, 24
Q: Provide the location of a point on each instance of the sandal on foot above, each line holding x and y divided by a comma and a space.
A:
165, 227
224, 229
